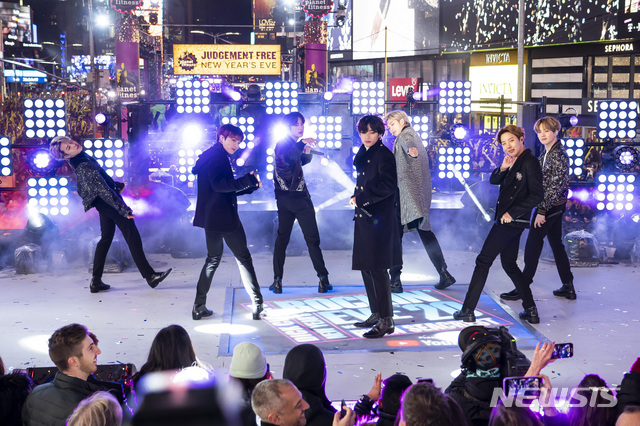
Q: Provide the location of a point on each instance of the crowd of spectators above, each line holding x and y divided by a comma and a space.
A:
252, 396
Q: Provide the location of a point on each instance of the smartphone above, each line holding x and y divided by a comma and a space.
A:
425, 381
343, 409
527, 388
562, 350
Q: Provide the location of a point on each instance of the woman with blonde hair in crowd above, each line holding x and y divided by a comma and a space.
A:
100, 409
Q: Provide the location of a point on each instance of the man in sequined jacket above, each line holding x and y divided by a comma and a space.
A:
97, 189
547, 218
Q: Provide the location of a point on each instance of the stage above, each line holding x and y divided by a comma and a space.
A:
603, 324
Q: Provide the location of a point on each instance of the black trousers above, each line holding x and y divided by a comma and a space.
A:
429, 241
502, 240
552, 229
290, 209
237, 243
109, 219
376, 282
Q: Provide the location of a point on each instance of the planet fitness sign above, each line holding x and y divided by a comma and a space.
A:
317, 8
126, 6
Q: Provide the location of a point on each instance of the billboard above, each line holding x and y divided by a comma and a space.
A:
226, 59
472, 25
16, 22
412, 28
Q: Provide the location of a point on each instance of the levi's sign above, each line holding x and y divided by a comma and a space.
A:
232, 59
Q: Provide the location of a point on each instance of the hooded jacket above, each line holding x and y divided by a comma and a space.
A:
306, 368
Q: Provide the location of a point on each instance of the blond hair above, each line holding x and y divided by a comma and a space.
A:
100, 409
398, 115
549, 123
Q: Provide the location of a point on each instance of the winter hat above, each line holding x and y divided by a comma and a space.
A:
248, 362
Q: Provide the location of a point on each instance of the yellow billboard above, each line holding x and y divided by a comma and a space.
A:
226, 59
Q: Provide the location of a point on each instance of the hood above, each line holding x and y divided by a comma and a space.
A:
205, 157
306, 368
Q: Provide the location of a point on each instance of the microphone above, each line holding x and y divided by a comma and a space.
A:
314, 152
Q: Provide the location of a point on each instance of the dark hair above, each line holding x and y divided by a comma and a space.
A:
291, 119
2, 368
229, 129
66, 342
513, 415
372, 122
592, 414
425, 405
514, 130
392, 391
171, 350
248, 385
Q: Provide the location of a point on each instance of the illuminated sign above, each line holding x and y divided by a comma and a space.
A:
399, 87
232, 59
423, 313
618, 47
25, 76
317, 8
126, 6
494, 74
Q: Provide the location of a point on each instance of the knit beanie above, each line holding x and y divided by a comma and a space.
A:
248, 362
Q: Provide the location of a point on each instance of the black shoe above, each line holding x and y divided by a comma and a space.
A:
323, 285
157, 278
396, 285
369, 322
530, 315
384, 326
200, 311
257, 311
567, 291
276, 287
97, 285
445, 280
465, 315
512, 295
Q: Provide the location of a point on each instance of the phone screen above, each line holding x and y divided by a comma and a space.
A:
562, 350
522, 387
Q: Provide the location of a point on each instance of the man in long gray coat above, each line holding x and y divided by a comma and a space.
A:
414, 195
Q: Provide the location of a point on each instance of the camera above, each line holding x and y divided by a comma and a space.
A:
512, 362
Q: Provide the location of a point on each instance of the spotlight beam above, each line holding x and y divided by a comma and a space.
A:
484, 213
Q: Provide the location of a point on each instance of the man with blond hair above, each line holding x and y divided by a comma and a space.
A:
97, 189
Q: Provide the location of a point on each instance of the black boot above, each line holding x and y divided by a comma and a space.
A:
276, 287
465, 315
369, 322
257, 311
384, 326
323, 285
567, 291
200, 311
157, 278
396, 284
97, 285
445, 280
530, 315
511, 295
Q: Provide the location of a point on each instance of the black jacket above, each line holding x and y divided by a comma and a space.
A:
629, 393
52, 403
376, 241
93, 182
14, 389
520, 189
217, 205
288, 179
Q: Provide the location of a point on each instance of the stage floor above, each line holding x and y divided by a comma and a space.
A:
603, 324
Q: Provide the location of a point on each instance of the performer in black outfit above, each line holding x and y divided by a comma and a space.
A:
520, 180
549, 213
97, 189
294, 202
217, 213
376, 241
